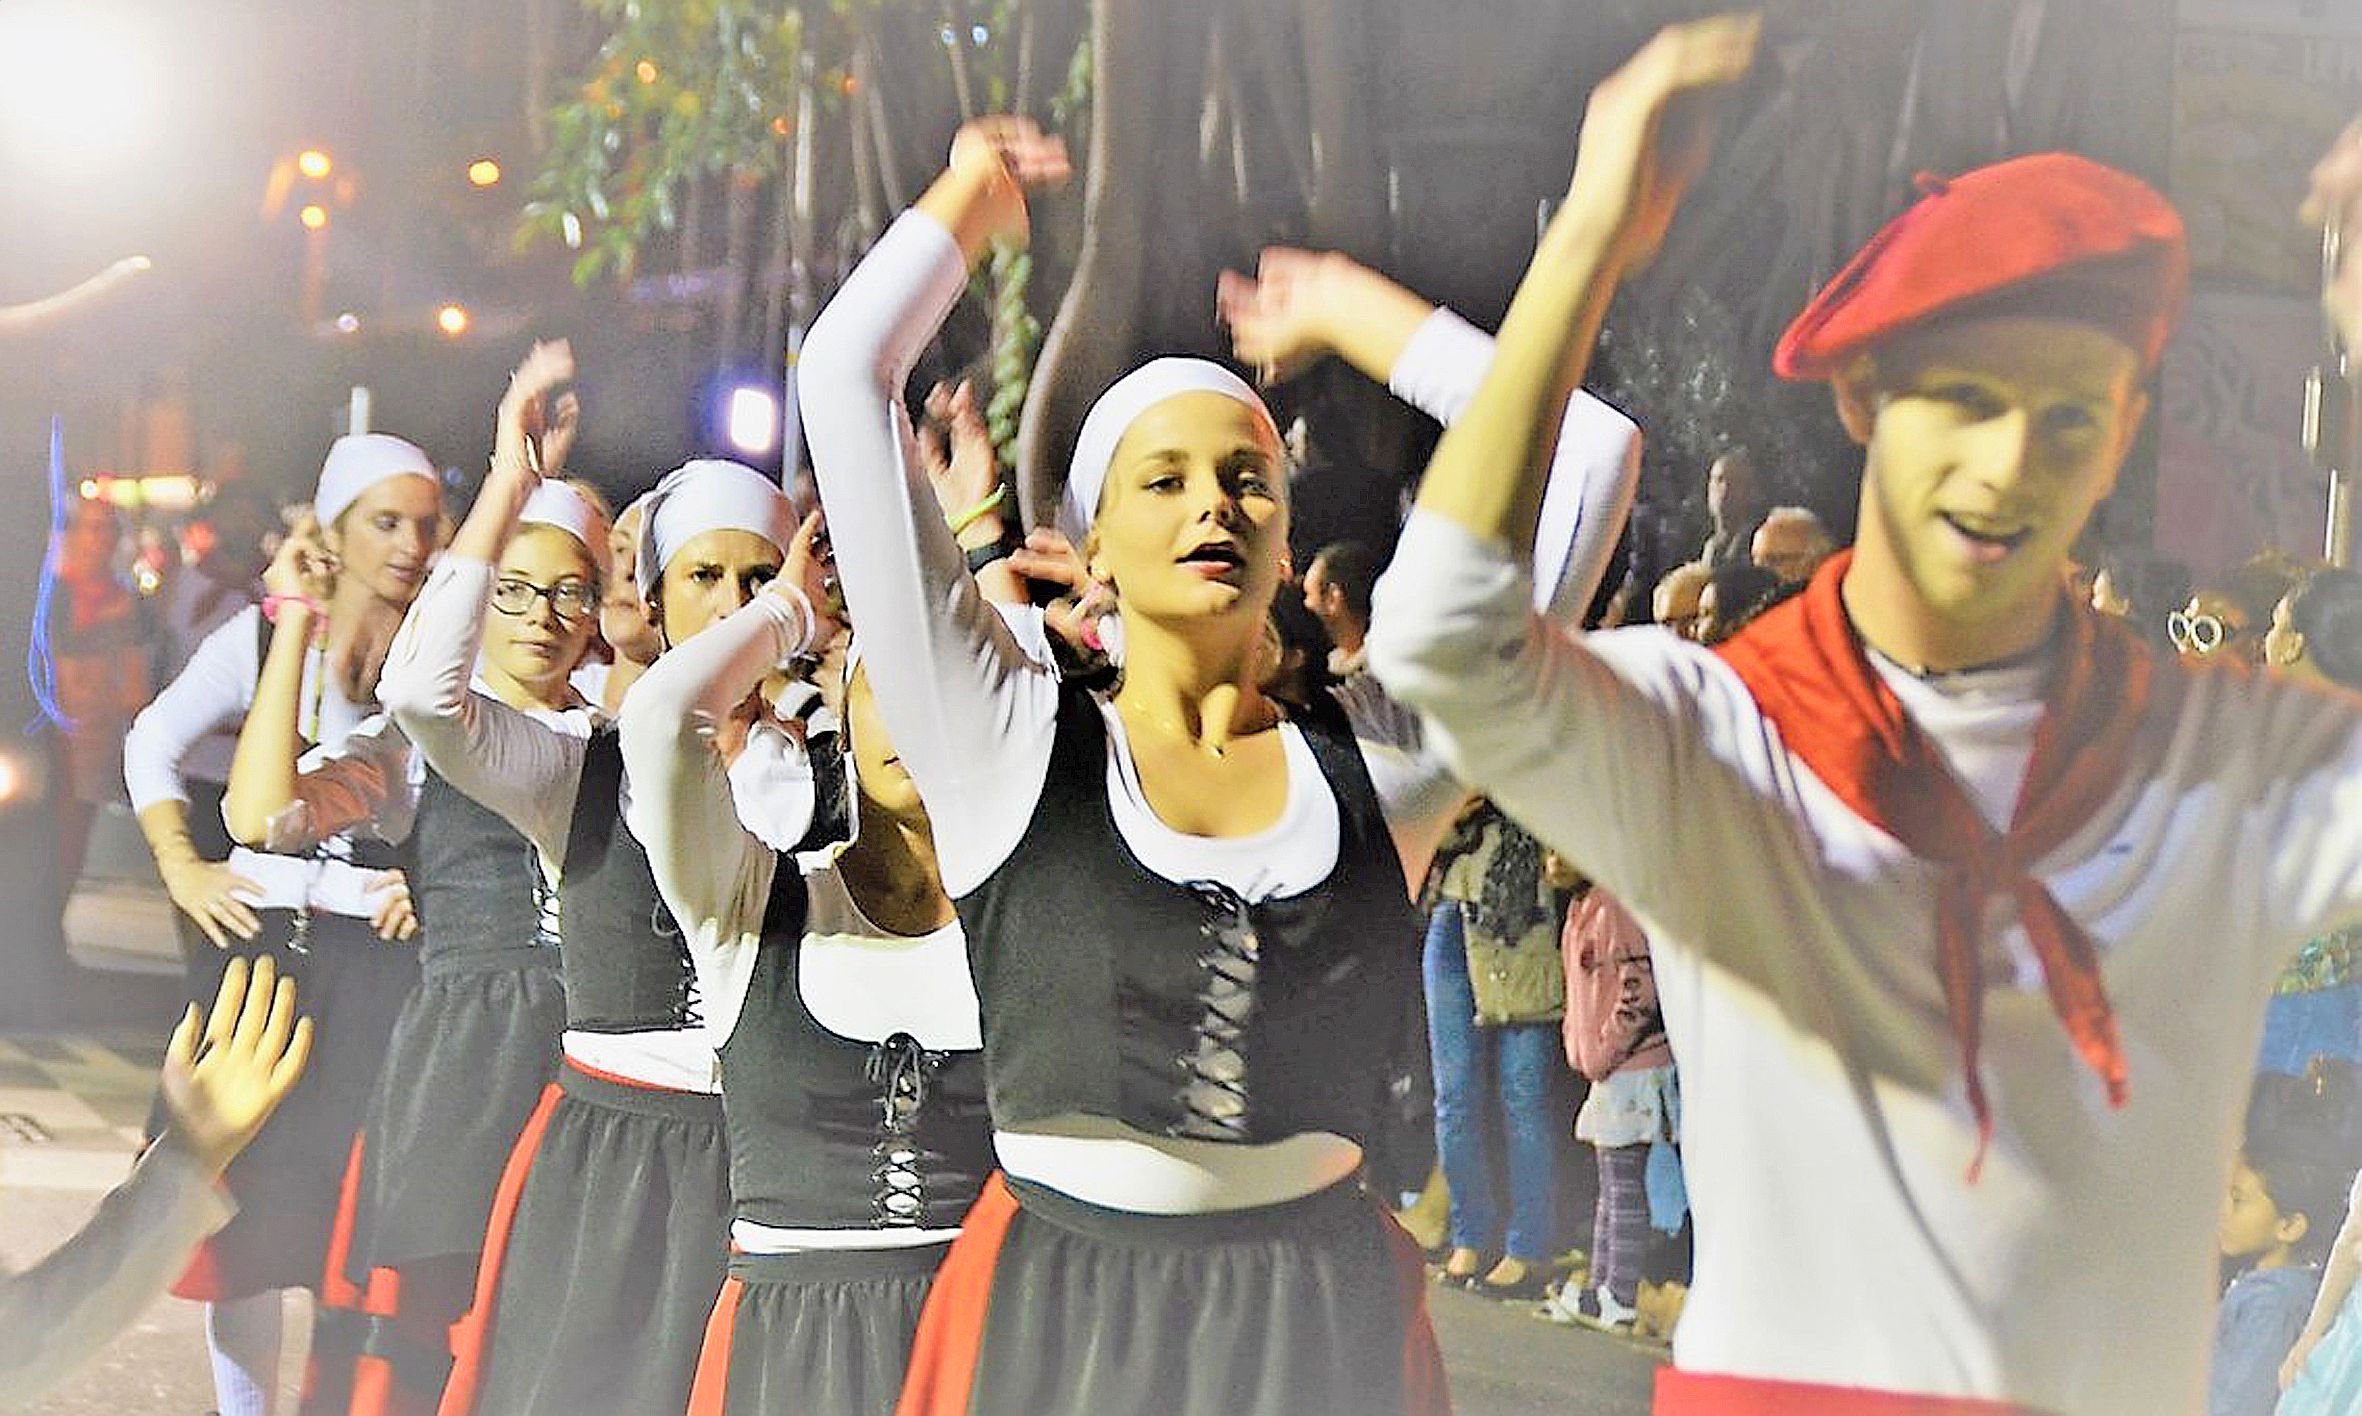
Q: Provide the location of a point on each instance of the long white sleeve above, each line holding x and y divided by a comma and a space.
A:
1594, 469
214, 688
971, 713
510, 761
55, 1315
714, 874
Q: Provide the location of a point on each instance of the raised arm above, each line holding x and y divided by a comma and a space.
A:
1631, 168
1517, 708
1301, 305
517, 765
970, 711
677, 721
262, 784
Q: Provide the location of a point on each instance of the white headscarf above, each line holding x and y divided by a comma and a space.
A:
1115, 412
358, 461
709, 494
566, 508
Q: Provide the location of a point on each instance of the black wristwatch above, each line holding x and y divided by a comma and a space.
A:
981, 556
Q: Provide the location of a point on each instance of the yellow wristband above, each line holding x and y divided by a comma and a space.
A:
980, 510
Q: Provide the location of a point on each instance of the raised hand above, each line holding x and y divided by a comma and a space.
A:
809, 568
223, 1078
2335, 201
531, 425
1281, 318
301, 568
995, 161
1645, 135
1047, 556
961, 464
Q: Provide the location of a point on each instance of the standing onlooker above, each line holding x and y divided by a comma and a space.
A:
1734, 503
2142, 591
1494, 990
230, 545
99, 642
1337, 590
1615, 1037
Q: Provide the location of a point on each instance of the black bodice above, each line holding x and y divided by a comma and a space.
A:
827, 1132
1178, 1008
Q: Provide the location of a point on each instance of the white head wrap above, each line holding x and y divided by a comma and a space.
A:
1115, 412
566, 508
358, 461
709, 494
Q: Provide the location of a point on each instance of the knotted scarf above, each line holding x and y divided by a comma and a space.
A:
1812, 679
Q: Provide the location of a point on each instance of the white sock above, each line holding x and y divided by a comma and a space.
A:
1609, 1310
243, 1339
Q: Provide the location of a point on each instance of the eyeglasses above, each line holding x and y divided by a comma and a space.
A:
568, 599
2200, 633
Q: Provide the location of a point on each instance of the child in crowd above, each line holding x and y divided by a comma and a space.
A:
2275, 1225
1615, 1036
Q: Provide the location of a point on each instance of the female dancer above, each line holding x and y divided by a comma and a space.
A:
477, 1040
1191, 932
607, 1240
852, 1076
381, 508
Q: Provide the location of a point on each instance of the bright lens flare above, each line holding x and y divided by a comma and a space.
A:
483, 172
452, 320
753, 420
78, 88
313, 217
313, 163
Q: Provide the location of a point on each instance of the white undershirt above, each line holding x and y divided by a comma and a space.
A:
1827, 1138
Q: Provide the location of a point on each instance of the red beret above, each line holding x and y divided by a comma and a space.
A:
2050, 234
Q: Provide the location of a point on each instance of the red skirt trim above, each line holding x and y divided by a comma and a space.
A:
471, 1337
710, 1395
1682, 1393
1424, 1390
951, 1327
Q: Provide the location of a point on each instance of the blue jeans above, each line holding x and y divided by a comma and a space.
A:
1512, 1067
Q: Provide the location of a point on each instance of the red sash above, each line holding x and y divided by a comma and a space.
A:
1811, 677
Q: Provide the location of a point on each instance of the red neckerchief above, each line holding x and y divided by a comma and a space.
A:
1811, 677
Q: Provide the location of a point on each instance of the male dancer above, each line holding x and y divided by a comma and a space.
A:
1966, 1011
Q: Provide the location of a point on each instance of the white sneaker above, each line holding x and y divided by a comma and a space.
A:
1562, 1305
1604, 1314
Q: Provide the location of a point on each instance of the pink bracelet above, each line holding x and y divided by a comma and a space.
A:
271, 604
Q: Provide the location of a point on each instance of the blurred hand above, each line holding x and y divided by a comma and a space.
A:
530, 426
2335, 200
209, 893
219, 1085
1004, 157
301, 568
1641, 145
393, 914
809, 568
2295, 1361
1279, 317
1047, 556
961, 464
